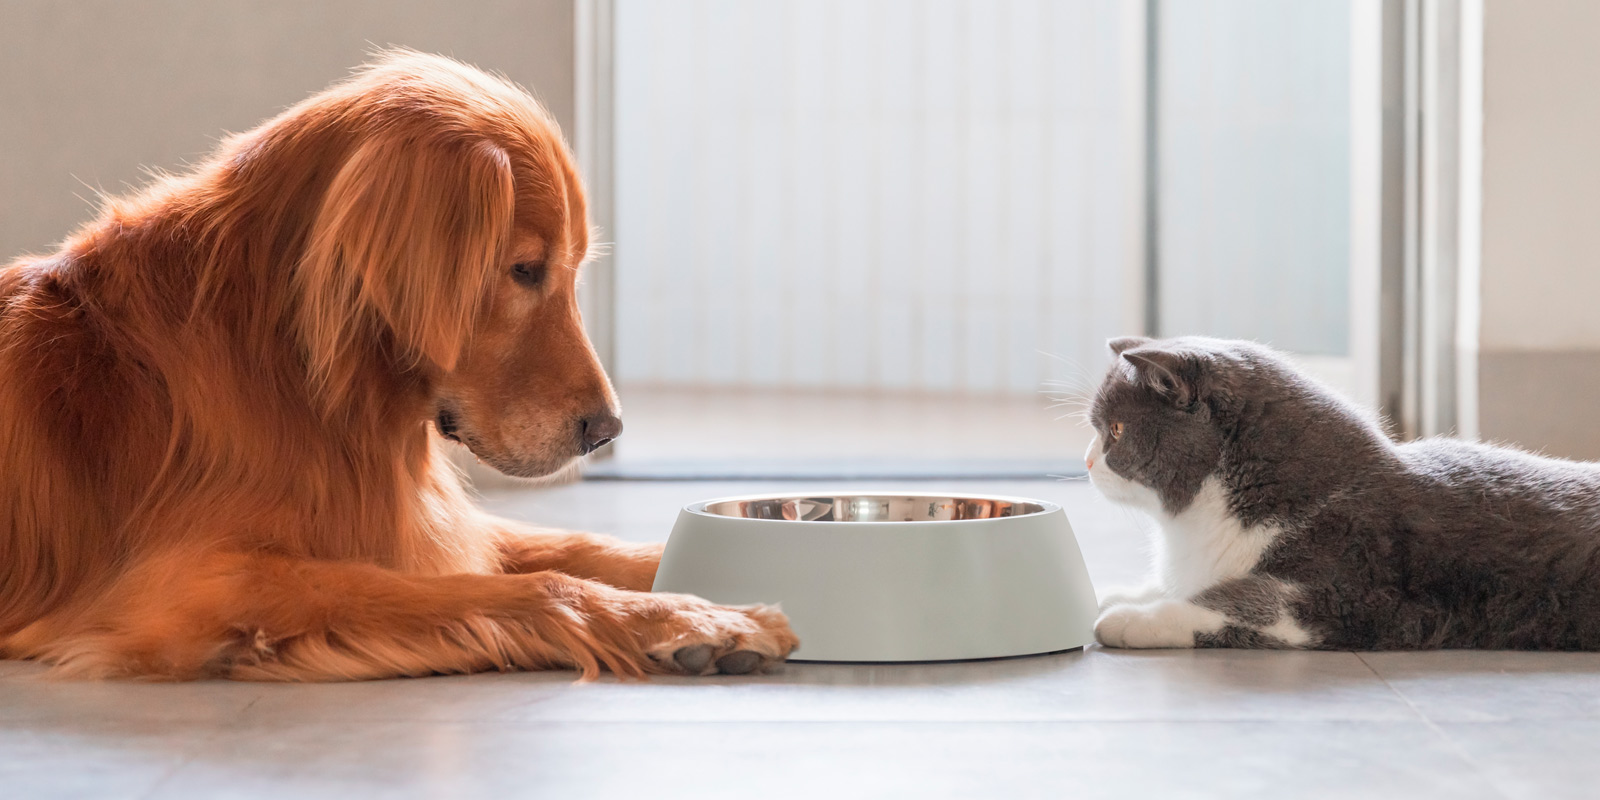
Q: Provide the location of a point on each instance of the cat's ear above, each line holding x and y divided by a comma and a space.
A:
1123, 343
1171, 374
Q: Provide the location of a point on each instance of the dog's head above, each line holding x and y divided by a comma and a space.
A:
449, 239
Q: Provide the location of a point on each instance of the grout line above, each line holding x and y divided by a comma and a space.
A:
247, 706
1437, 731
155, 788
192, 753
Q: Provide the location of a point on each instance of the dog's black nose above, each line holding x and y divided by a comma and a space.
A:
597, 430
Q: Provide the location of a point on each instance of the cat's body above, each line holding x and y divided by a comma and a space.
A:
1288, 519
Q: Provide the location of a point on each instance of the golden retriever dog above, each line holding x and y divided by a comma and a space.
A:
219, 404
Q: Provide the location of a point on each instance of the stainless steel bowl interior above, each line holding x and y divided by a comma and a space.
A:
872, 508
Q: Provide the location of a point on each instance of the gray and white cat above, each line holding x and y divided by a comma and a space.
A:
1289, 519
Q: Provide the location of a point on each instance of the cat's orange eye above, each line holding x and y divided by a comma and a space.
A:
1116, 431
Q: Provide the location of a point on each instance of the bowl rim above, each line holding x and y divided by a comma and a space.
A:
698, 508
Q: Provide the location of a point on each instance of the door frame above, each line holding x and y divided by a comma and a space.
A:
1416, 159
593, 144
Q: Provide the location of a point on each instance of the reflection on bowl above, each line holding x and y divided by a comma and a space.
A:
873, 508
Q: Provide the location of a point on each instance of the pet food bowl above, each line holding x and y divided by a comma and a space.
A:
885, 577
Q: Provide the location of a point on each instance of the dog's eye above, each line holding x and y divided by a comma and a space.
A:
1116, 431
528, 273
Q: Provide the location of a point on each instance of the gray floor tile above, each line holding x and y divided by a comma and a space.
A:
460, 698
1528, 760
1079, 760
1467, 685
27, 692
80, 758
1089, 685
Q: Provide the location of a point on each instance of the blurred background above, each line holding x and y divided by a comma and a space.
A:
890, 237
903, 227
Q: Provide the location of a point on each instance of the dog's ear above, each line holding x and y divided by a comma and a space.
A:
406, 239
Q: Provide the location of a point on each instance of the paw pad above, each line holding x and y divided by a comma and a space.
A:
739, 662
694, 658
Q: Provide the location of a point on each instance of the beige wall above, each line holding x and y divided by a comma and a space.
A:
91, 91
1540, 337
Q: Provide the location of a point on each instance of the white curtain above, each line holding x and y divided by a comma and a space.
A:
874, 194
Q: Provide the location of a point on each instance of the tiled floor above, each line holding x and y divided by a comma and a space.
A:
1082, 725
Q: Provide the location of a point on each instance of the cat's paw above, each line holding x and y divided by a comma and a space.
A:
1129, 596
1166, 624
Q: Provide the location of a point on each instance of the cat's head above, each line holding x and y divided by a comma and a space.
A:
1170, 409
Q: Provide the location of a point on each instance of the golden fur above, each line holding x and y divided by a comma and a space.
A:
217, 401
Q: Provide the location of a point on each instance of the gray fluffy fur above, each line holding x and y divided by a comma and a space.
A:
1437, 543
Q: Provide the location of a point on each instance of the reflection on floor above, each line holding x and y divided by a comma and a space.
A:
1082, 725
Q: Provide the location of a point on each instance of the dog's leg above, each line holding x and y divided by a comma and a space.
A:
275, 618
625, 565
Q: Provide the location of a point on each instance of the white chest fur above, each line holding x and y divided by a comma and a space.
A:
1196, 549
1205, 544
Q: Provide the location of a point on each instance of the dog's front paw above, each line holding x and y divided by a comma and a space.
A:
704, 639
1167, 624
